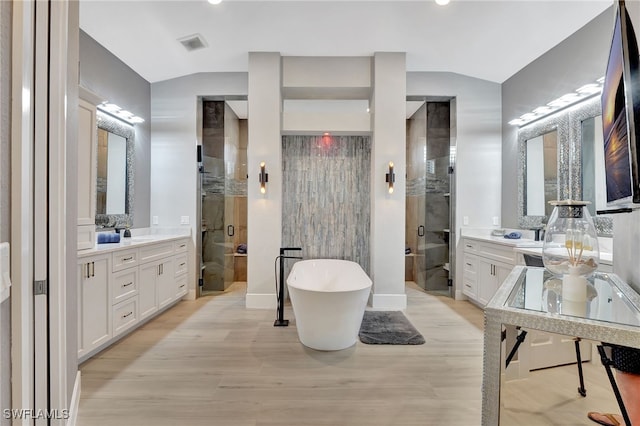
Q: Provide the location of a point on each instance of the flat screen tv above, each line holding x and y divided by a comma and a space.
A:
621, 113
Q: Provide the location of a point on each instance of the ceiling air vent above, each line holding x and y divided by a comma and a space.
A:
193, 42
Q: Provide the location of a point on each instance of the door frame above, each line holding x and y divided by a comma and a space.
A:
39, 209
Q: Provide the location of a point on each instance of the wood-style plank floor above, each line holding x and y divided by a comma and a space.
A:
214, 362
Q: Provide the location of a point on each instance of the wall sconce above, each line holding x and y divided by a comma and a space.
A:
390, 177
264, 178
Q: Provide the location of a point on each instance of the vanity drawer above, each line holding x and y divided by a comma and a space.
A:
470, 246
470, 265
123, 259
181, 286
180, 246
155, 251
181, 265
497, 252
469, 288
124, 285
125, 315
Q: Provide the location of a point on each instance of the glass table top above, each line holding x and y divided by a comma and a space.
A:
538, 290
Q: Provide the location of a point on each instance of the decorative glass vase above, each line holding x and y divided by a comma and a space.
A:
570, 248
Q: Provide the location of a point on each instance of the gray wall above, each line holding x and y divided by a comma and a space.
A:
578, 60
106, 75
5, 193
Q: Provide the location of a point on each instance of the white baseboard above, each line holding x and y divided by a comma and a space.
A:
75, 401
389, 301
191, 295
459, 295
261, 301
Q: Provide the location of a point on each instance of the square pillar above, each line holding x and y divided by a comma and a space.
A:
388, 210
264, 211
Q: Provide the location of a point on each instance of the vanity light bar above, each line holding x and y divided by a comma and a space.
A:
582, 93
117, 112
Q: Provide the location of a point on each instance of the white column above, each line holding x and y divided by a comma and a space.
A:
264, 211
388, 210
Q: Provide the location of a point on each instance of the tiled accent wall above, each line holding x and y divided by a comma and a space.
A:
326, 196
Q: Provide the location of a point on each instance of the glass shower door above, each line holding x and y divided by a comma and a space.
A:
217, 210
428, 196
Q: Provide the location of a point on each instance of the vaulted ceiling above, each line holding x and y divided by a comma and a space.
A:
489, 40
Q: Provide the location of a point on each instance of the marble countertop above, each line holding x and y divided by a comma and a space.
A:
605, 258
523, 245
138, 238
485, 235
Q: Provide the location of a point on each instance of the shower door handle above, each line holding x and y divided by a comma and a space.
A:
231, 231
421, 231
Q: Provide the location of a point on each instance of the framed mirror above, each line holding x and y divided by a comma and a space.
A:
541, 174
115, 174
586, 126
542, 147
577, 132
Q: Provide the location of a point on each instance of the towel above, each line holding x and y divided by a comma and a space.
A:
107, 238
513, 235
242, 249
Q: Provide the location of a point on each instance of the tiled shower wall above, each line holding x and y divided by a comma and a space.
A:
326, 196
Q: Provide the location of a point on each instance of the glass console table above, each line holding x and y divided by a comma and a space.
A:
531, 298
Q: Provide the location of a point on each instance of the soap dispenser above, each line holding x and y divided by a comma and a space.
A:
127, 233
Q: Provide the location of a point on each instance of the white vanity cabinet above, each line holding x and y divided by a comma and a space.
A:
491, 274
486, 266
157, 285
87, 163
124, 293
94, 309
119, 289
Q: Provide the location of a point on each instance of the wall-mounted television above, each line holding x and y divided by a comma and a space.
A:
621, 113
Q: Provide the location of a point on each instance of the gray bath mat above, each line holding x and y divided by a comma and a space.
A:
388, 328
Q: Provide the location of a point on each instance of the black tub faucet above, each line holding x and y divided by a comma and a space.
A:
280, 321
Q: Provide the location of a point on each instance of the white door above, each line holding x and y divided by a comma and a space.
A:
147, 290
38, 215
166, 283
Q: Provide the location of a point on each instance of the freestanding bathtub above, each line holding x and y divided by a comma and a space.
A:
329, 297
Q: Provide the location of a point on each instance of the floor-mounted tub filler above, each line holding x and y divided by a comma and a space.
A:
328, 297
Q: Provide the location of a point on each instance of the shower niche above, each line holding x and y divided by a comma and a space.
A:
430, 168
222, 197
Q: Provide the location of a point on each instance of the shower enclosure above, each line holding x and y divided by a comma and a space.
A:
222, 195
430, 168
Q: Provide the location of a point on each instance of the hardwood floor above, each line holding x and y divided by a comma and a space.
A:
214, 362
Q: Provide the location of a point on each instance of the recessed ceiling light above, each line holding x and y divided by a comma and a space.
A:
442, 2
215, 1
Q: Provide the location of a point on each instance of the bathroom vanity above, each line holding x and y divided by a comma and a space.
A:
122, 285
487, 263
488, 260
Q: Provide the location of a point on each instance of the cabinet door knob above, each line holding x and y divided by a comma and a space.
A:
421, 231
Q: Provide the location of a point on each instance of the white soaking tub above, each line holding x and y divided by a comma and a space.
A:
329, 297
